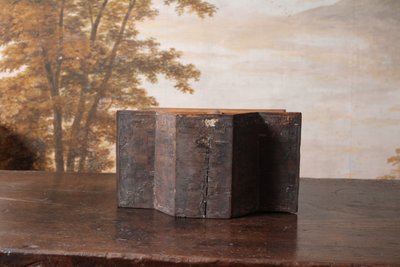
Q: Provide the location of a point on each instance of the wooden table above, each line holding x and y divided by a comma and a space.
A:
72, 219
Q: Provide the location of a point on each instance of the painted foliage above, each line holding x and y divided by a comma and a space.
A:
73, 63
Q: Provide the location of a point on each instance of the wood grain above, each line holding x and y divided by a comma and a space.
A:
49, 219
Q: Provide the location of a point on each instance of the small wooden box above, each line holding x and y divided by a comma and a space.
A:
208, 163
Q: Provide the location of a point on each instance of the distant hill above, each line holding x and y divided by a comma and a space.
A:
377, 22
356, 11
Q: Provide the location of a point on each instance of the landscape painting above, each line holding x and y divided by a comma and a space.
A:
66, 66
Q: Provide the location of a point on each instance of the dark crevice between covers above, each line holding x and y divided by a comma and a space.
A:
205, 143
205, 195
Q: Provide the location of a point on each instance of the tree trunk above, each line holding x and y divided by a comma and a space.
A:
58, 136
54, 81
96, 23
76, 125
57, 118
74, 134
102, 88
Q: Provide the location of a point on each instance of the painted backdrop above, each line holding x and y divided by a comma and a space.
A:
68, 65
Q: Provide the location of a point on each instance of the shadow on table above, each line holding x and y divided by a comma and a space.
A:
256, 236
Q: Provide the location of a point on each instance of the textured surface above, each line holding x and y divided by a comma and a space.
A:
209, 163
135, 159
72, 219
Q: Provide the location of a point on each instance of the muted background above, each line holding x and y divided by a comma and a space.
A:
336, 61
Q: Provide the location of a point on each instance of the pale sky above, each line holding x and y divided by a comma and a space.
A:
271, 7
268, 7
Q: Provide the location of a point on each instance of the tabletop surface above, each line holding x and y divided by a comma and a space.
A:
49, 219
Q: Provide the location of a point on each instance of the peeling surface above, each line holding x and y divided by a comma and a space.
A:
210, 122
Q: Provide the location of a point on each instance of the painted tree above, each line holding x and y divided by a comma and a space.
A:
395, 162
73, 63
